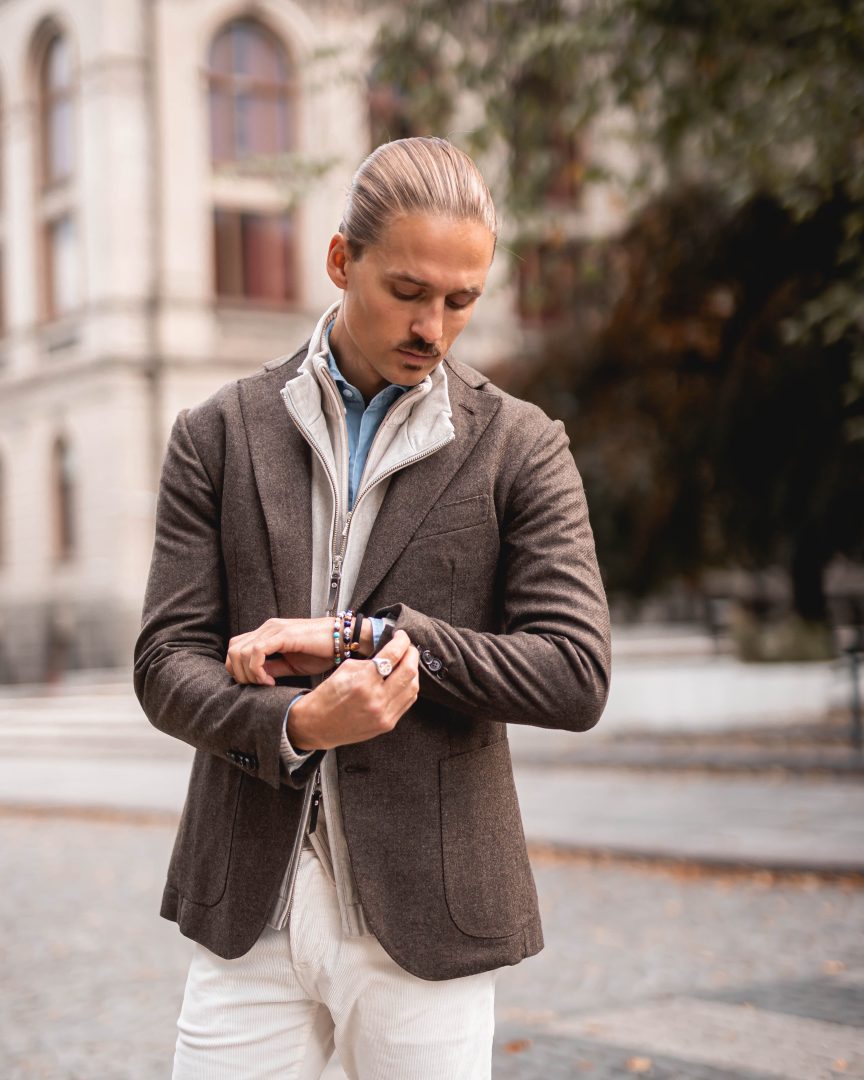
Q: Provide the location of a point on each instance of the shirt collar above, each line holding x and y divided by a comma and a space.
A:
390, 392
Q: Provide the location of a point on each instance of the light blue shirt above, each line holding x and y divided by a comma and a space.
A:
362, 420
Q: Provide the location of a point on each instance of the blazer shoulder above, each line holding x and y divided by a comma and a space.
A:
524, 418
222, 407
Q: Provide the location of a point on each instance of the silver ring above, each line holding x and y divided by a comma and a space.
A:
382, 665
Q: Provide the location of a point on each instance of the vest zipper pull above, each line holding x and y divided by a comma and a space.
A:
316, 803
335, 579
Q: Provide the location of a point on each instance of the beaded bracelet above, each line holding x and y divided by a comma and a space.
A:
347, 621
344, 630
337, 641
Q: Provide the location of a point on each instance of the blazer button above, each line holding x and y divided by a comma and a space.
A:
434, 665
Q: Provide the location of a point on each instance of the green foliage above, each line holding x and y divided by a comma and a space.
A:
714, 382
703, 437
759, 98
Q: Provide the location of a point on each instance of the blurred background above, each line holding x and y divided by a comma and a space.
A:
680, 278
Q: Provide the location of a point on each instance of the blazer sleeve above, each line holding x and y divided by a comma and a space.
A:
180, 676
550, 665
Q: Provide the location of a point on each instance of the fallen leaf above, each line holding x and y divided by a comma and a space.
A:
840, 1065
833, 967
516, 1046
639, 1065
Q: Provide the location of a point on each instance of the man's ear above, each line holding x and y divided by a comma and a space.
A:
338, 255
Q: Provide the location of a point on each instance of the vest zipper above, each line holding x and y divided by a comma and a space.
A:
313, 794
297, 847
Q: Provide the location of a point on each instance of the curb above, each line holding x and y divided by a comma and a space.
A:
671, 861
111, 815
814, 768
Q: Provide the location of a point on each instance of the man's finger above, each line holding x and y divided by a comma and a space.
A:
395, 648
404, 674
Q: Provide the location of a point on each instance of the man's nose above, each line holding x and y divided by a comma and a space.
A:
428, 323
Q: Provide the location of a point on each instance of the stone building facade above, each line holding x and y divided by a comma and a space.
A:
170, 174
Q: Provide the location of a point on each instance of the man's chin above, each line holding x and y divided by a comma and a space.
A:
417, 366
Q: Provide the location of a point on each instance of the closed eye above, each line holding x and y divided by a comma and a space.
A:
453, 304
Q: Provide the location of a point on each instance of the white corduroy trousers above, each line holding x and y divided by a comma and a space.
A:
277, 1012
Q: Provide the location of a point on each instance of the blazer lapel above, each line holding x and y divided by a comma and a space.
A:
281, 465
413, 491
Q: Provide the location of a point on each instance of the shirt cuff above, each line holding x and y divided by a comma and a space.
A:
377, 631
292, 759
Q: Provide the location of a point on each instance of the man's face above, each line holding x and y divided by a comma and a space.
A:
407, 298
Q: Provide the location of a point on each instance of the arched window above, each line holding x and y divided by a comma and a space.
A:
389, 112
396, 106
56, 87
63, 477
548, 151
251, 86
58, 226
408, 93
251, 83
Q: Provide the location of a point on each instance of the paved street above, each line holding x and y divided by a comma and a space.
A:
95, 749
685, 973
645, 972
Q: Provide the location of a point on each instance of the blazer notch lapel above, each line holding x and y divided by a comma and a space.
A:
281, 467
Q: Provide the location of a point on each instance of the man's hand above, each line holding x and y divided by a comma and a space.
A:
293, 646
356, 703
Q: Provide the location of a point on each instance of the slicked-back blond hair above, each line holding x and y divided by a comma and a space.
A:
414, 176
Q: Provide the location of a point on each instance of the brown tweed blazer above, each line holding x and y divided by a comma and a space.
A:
483, 553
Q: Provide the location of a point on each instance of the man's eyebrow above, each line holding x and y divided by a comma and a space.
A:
471, 290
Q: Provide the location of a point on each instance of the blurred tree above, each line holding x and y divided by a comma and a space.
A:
704, 437
710, 363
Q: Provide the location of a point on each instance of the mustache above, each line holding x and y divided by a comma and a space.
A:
421, 348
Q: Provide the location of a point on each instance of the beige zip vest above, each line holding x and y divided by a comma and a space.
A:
417, 425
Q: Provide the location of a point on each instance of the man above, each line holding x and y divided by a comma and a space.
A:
350, 858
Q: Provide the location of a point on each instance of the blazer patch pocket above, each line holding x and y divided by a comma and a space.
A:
488, 882
202, 850
449, 517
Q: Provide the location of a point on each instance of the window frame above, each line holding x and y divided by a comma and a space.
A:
236, 84
49, 99
63, 501
56, 193
240, 192
243, 298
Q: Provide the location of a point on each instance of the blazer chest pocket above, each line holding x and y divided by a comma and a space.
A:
450, 517
487, 877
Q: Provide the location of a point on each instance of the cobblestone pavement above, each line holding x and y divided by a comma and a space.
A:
646, 973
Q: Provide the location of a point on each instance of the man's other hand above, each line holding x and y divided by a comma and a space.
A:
285, 647
356, 703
